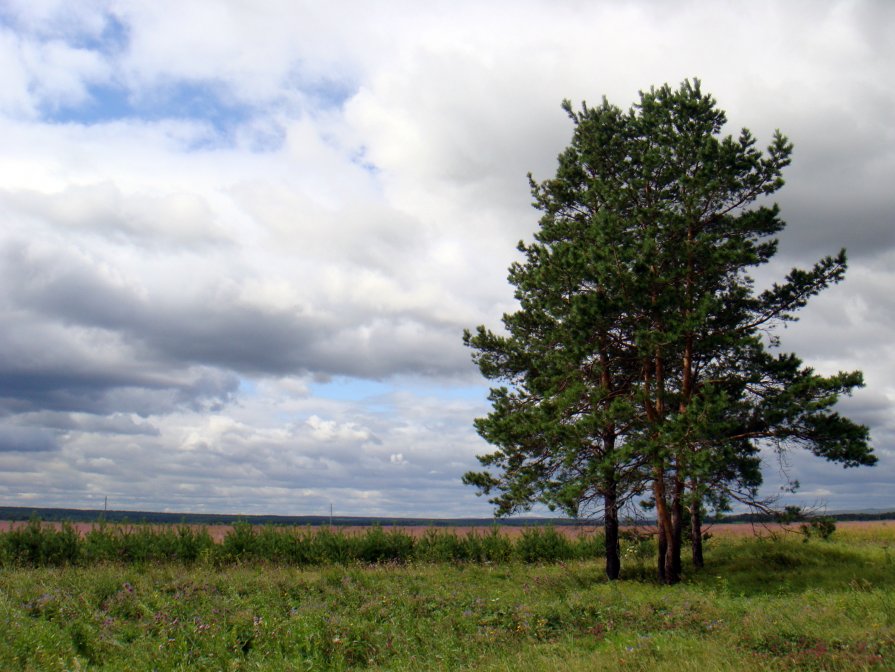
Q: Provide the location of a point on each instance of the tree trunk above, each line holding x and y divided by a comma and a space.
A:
610, 528
663, 547
677, 524
667, 573
696, 529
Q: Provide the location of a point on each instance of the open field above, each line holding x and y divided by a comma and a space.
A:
760, 604
218, 532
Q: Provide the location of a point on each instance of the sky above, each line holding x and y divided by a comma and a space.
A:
240, 241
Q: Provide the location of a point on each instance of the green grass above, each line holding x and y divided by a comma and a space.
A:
758, 605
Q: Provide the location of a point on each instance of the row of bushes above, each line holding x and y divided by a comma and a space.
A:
38, 545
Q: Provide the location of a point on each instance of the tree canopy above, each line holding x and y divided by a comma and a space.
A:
641, 361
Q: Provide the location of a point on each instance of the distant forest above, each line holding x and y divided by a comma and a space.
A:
92, 515
17, 513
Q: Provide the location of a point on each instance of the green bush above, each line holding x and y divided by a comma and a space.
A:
333, 547
240, 543
376, 546
139, 543
192, 543
821, 528
439, 546
543, 544
100, 544
37, 544
589, 546
274, 544
491, 547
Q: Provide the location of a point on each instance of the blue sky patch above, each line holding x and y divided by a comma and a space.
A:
351, 389
190, 101
324, 92
357, 389
113, 39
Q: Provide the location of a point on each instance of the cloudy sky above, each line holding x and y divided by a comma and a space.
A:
239, 241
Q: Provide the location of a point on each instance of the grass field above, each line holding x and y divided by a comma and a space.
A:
759, 604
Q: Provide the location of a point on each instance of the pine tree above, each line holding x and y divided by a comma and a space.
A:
640, 352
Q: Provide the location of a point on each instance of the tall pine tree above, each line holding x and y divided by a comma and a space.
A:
640, 353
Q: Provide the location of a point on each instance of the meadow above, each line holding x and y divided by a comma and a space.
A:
175, 599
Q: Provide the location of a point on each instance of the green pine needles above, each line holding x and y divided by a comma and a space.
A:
642, 363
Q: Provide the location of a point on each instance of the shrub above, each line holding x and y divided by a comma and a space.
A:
378, 546
100, 544
239, 543
36, 544
438, 546
333, 547
138, 543
489, 547
589, 546
822, 528
543, 545
192, 543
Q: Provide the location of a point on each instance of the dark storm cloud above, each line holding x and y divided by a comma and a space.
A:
834, 204
212, 327
45, 366
93, 392
65, 285
837, 191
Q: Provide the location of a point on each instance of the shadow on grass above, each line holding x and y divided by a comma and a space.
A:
774, 566
761, 566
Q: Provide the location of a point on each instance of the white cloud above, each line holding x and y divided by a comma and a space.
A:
178, 218
61, 74
330, 430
